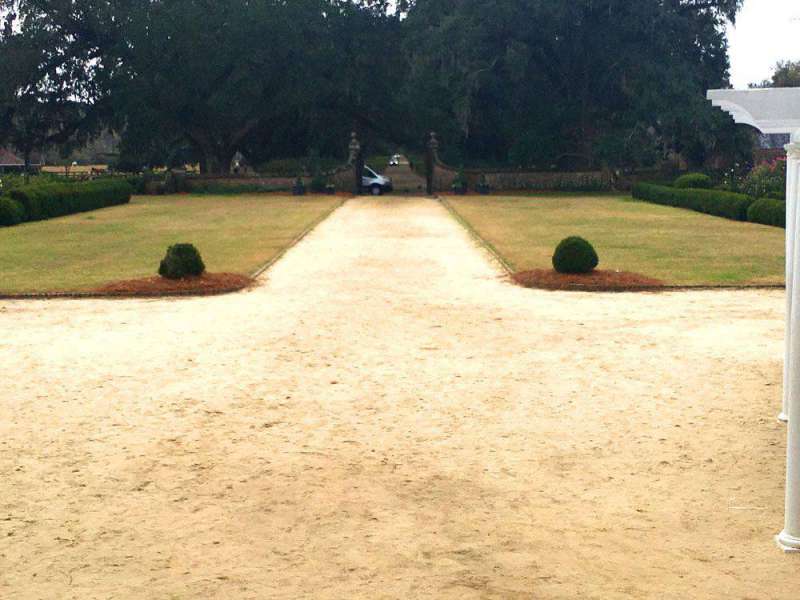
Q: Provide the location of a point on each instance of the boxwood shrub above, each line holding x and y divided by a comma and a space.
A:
768, 212
182, 260
712, 202
49, 200
11, 212
696, 181
575, 255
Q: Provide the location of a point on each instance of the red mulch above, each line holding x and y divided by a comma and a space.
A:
206, 284
596, 281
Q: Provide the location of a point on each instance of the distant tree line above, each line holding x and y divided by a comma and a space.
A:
534, 83
786, 74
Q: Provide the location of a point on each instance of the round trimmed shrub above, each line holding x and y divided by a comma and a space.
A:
11, 212
695, 181
575, 255
182, 260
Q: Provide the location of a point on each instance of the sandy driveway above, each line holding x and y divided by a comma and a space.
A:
385, 417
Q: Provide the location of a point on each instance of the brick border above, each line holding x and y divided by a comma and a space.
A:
477, 237
303, 234
120, 295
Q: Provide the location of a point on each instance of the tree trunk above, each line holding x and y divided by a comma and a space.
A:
224, 160
217, 155
211, 161
212, 168
216, 160
27, 158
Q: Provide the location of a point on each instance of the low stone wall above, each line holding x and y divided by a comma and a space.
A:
627, 181
342, 178
198, 182
444, 177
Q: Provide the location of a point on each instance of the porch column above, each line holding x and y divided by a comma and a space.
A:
789, 538
791, 212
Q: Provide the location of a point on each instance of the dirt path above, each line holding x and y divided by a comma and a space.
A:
405, 180
385, 417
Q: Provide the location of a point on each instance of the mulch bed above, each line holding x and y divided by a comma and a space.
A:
206, 284
596, 281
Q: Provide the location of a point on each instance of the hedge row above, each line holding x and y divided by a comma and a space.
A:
11, 212
768, 211
740, 207
46, 201
712, 202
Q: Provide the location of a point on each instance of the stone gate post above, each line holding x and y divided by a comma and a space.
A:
357, 162
430, 162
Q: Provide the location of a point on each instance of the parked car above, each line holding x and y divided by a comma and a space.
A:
394, 161
375, 183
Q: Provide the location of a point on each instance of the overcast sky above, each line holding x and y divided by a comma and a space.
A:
766, 31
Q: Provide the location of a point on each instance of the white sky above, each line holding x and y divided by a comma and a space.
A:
766, 31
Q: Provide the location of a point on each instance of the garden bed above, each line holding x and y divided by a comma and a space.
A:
596, 281
206, 284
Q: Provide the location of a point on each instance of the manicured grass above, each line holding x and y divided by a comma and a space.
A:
234, 234
677, 246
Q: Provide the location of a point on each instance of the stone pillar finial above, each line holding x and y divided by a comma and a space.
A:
433, 143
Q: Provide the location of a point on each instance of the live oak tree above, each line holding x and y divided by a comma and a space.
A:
46, 85
529, 82
580, 82
212, 73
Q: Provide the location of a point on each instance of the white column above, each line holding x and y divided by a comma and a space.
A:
791, 212
789, 538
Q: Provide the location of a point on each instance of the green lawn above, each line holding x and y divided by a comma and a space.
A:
233, 233
678, 246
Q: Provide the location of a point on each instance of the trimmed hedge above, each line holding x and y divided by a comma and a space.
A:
768, 212
50, 200
712, 202
137, 183
696, 181
778, 195
11, 212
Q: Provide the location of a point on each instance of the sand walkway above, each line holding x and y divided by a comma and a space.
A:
386, 417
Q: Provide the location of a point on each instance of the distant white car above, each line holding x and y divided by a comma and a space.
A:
394, 161
375, 183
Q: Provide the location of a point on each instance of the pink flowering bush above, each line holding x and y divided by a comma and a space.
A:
767, 180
